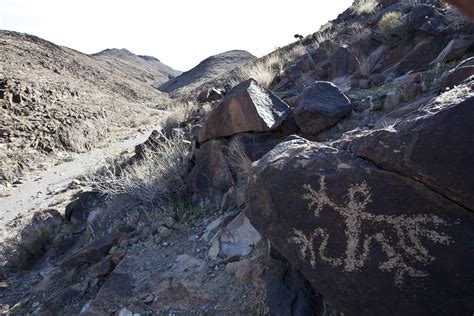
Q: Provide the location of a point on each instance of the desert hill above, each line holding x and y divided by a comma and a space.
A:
207, 70
53, 97
141, 67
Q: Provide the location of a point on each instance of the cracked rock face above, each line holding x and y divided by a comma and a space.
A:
377, 226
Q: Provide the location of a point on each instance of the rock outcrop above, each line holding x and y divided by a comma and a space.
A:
248, 107
377, 227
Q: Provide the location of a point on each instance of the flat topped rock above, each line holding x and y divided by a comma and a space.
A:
248, 107
320, 106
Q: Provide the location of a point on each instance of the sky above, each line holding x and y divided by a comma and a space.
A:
180, 33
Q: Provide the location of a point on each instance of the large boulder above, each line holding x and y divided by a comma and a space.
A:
420, 57
433, 144
319, 107
370, 241
248, 107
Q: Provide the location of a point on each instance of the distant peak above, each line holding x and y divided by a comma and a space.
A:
114, 52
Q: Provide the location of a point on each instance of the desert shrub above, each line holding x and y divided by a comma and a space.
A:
393, 26
295, 52
323, 36
359, 31
239, 161
262, 71
361, 7
159, 177
180, 112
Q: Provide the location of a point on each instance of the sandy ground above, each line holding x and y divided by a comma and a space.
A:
49, 187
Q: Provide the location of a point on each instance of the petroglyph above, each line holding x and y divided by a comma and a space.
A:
400, 253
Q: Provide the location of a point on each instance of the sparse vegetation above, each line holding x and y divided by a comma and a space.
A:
180, 112
361, 7
239, 160
392, 27
323, 36
263, 71
359, 31
160, 177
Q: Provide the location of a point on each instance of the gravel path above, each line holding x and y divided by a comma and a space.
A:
44, 188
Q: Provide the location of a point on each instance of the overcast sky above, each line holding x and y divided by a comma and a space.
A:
180, 33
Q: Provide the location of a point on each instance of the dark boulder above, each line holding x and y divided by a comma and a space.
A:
370, 241
78, 210
343, 62
288, 293
419, 15
211, 176
433, 144
248, 107
319, 55
319, 107
420, 57
456, 76
455, 49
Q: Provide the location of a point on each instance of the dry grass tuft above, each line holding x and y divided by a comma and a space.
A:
159, 178
393, 26
266, 68
359, 32
365, 65
262, 71
180, 112
323, 36
361, 7
239, 161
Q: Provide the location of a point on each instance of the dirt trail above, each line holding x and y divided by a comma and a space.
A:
48, 187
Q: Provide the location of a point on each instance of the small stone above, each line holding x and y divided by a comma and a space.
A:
170, 222
148, 299
35, 304
193, 237
125, 312
113, 249
164, 231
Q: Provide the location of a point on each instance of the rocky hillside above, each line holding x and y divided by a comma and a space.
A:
207, 70
53, 98
341, 186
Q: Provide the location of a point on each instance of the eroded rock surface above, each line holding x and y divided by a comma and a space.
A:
370, 241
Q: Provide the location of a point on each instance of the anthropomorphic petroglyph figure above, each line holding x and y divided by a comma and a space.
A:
410, 230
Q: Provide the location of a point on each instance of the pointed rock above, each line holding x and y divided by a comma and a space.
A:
248, 107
